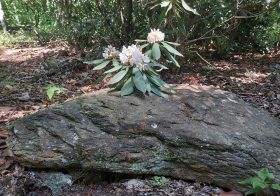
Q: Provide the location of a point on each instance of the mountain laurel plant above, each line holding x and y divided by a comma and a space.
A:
137, 66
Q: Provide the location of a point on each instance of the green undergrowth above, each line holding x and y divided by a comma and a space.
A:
20, 38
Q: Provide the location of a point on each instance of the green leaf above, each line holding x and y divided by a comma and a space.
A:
151, 71
181, 25
157, 81
127, 88
95, 62
253, 190
259, 184
156, 51
118, 77
171, 58
51, 90
157, 91
156, 64
162, 15
140, 40
265, 175
275, 187
172, 43
144, 46
115, 62
165, 3
102, 65
188, 8
148, 85
248, 181
116, 68
171, 49
149, 53
139, 80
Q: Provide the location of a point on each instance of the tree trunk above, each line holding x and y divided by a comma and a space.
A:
2, 18
129, 20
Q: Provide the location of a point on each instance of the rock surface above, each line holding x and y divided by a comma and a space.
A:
201, 133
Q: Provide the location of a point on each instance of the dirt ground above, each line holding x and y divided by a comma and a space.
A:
25, 74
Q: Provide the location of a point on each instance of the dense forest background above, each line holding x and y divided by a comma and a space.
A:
222, 25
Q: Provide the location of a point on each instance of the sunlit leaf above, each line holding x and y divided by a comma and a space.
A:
275, 187
118, 77
102, 65
116, 68
171, 49
172, 43
188, 8
171, 58
51, 90
165, 3
265, 175
95, 62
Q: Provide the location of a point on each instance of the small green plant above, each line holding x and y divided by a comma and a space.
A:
159, 181
261, 182
52, 90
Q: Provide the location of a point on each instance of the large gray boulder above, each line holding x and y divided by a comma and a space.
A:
201, 133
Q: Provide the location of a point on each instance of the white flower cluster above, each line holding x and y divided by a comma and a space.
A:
134, 56
155, 36
110, 52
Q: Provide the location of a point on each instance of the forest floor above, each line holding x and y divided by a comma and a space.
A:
25, 74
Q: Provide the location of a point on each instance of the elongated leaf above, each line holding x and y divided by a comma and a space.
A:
148, 85
118, 77
140, 40
171, 49
139, 80
165, 3
116, 68
181, 25
157, 91
156, 64
144, 46
162, 15
188, 8
94, 62
171, 58
158, 81
156, 51
151, 71
172, 43
247, 181
102, 65
275, 187
127, 88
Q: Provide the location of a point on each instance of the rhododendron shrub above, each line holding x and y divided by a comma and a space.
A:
136, 67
